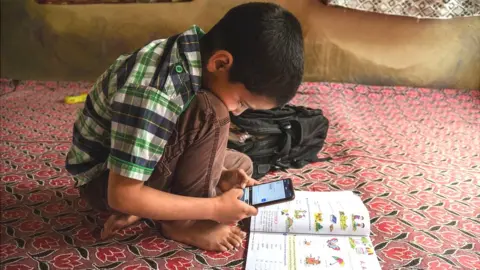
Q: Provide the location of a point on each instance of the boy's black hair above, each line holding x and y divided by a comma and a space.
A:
266, 43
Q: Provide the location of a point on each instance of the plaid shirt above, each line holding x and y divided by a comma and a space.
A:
133, 107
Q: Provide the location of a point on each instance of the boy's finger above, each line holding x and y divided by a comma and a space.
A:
237, 192
251, 211
254, 182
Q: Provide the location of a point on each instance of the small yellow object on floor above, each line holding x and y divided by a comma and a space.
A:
76, 99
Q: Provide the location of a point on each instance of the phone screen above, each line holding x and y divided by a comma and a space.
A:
268, 193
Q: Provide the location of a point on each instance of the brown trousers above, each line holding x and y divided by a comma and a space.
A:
194, 156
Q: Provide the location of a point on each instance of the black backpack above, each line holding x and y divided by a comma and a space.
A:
287, 137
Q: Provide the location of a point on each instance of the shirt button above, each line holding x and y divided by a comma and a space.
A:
178, 68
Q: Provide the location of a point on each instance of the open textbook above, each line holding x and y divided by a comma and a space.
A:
317, 230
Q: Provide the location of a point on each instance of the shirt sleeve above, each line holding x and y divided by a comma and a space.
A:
143, 119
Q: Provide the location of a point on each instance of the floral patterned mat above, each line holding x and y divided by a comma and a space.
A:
412, 154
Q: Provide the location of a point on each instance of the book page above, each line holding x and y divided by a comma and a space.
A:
332, 213
270, 251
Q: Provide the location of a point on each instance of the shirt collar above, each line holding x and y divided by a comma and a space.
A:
188, 52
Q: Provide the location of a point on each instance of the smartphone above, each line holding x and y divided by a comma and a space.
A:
269, 193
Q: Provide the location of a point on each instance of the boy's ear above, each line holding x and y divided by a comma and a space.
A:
220, 61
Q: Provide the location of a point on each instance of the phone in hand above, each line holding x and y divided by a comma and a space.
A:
269, 193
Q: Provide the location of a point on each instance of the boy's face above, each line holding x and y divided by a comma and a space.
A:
234, 95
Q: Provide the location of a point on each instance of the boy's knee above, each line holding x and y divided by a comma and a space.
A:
246, 164
238, 160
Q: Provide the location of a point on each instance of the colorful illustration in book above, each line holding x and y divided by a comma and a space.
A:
285, 212
362, 247
356, 222
289, 223
307, 243
365, 241
343, 221
310, 260
357, 225
333, 219
364, 250
354, 243
318, 221
333, 244
357, 217
338, 260
298, 214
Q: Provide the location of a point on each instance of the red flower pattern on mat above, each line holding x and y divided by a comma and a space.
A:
438, 265
407, 200
178, 263
7, 200
60, 182
427, 197
153, 244
389, 226
132, 230
55, 208
15, 213
5, 168
403, 135
84, 235
30, 167
67, 220
427, 242
345, 182
415, 219
472, 227
110, 254
320, 175
381, 205
318, 187
218, 255
31, 226
11, 178
27, 185
66, 261
38, 197
399, 253
375, 188
18, 267
46, 173
460, 208
45, 242
343, 169
369, 174
449, 192
7, 250
453, 236
136, 267
439, 214
470, 262
73, 191
419, 183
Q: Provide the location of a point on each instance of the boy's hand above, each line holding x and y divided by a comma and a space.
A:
229, 209
236, 178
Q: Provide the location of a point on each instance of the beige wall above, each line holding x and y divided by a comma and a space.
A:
78, 42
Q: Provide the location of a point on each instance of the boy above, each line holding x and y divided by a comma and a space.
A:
151, 139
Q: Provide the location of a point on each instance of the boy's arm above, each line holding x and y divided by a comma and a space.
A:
131, 196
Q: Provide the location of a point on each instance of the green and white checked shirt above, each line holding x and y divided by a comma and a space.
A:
133, 107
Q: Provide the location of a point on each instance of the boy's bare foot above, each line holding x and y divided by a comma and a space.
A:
117, 222
204, 234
